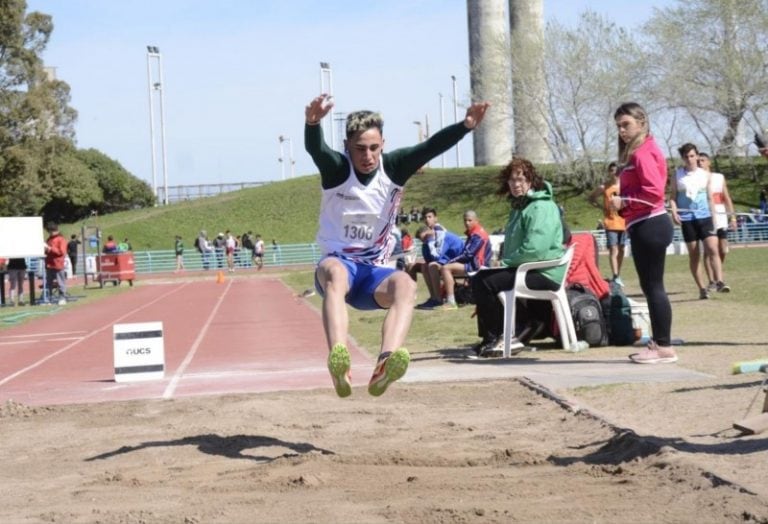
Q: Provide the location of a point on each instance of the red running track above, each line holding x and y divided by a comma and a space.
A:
244, 335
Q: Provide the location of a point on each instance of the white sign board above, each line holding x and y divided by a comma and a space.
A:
21, 237
139, 351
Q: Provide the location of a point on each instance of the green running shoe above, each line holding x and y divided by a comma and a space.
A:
389, 368
339, 367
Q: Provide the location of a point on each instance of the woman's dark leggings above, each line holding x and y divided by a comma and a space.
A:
650, 239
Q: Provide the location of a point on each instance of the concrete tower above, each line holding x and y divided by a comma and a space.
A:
526, 21
491, 79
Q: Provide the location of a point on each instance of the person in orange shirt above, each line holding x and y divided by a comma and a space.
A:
615, 229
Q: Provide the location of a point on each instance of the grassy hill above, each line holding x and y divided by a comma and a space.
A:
287, 211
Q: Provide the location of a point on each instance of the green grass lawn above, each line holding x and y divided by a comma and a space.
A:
287, 211
446, 330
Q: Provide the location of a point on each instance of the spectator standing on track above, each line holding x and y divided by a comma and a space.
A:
361, 192
220, 247
178, 248
72, 247
615, 228
205, 248
55, 255
229, 248
258, 252
17, 269
246, 242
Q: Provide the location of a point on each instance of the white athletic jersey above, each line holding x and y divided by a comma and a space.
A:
355, 220
716, 182
692, 196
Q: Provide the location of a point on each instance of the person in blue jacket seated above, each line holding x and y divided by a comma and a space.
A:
435, 258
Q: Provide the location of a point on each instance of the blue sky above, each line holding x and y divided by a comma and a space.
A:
238, 73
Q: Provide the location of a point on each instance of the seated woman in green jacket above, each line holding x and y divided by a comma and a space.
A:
534, 232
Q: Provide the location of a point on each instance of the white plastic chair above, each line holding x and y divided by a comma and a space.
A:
558, 298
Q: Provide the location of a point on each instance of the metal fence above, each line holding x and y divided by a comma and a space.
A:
165, 261
748, 233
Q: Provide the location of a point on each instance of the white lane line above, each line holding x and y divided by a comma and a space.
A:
39, 335
169, 390
69, 346
254, 373
35, 341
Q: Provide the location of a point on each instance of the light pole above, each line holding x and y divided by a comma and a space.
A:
442, 125
340, 118
326, 78
456, 117
421, 131
150, 53
153, 53
283, 139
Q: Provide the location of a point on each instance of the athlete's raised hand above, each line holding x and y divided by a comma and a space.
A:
475, 114
318, 108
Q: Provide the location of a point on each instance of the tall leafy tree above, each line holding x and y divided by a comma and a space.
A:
34, 109
588, 70
121, 190
41, 171
709, 59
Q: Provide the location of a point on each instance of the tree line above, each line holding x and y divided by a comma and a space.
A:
42, 172
700, 67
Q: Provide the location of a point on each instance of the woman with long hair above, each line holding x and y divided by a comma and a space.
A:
643, 179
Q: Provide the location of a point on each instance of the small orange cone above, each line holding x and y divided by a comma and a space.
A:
220, 277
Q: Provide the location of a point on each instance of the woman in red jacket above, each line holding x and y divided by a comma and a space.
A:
641, 202
55, 255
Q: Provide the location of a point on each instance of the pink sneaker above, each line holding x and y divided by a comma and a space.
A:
654, 354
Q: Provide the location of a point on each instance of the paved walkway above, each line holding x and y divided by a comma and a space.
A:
554, 374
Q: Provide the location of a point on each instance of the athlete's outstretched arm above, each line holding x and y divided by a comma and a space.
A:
407, 160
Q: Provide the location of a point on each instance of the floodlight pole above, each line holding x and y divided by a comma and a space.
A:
442, 125
456, 117
150, 54
283, 138
153, 53
161, 88
326, 79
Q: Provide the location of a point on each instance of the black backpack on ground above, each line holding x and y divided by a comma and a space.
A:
587, 316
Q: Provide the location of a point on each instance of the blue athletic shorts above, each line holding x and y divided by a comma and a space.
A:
363, 280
